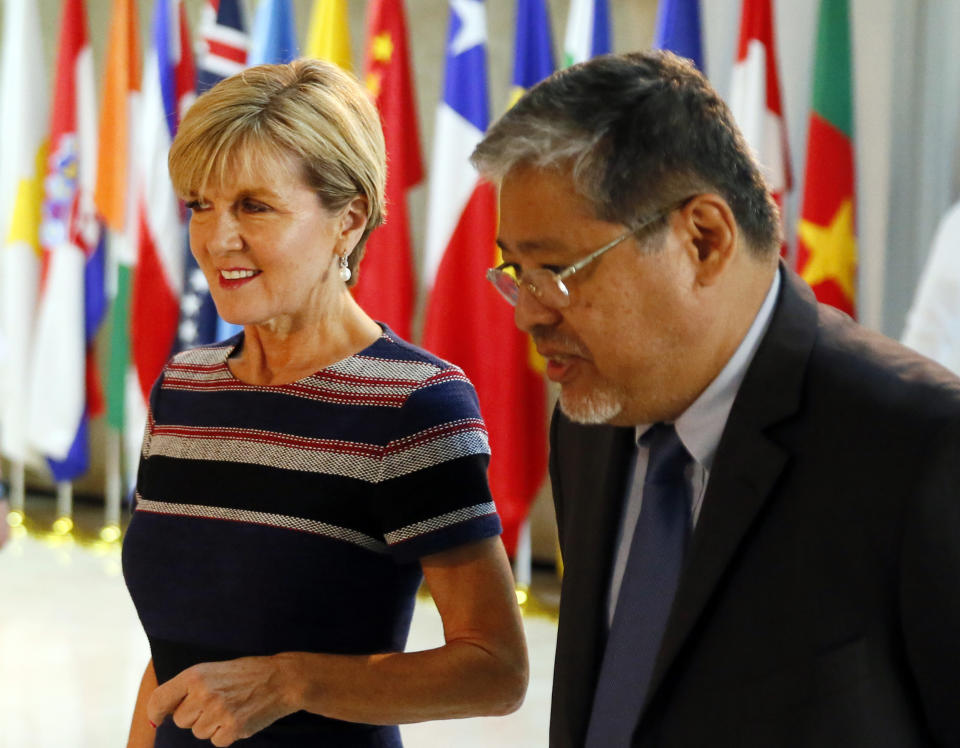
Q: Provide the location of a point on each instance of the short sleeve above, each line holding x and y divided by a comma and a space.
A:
433, 491
152, 404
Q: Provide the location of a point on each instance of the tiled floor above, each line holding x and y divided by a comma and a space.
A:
72, 651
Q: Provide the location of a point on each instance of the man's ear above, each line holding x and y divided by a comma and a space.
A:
712, 235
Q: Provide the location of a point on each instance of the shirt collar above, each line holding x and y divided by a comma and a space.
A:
701, 425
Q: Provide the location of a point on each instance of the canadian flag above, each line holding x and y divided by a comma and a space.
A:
755, 99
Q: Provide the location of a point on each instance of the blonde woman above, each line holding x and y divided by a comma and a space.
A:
300, 479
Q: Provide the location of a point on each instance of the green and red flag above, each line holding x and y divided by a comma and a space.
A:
826, 243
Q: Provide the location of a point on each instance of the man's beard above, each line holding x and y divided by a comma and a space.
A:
597, 407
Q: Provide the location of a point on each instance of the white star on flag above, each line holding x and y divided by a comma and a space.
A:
472, 31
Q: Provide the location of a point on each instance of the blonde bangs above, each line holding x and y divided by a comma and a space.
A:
309, 114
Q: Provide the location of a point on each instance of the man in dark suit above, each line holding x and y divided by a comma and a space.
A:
758, 500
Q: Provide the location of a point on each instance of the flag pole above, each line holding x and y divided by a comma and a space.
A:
64, 521
18, 485
111, 517
523, 563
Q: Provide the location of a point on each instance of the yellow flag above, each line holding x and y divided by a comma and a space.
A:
329, 35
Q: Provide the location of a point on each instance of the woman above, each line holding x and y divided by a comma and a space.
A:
299, 479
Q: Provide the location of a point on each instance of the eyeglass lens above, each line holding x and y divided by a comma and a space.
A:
546, 287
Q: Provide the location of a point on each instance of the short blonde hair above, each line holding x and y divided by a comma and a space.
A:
309, 110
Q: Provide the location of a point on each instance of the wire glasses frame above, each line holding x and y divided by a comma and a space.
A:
548, 285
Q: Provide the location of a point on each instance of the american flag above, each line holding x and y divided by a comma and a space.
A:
221, 52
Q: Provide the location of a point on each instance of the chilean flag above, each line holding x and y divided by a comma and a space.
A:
755, 99
64, 386
169, 82
466, 320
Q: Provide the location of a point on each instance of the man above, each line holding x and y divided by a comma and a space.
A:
758, 501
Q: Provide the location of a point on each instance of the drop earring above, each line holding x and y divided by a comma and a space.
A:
344, 270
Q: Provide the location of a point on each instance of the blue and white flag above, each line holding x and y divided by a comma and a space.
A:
273, 37
588, 31
678, 29
533, 48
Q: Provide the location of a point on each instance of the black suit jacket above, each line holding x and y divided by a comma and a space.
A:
820, 600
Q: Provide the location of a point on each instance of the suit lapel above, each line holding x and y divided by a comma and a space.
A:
595, 463
747, 463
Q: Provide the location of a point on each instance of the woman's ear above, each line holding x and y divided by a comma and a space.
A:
712, 235
353, 222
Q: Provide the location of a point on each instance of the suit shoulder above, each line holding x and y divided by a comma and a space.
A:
866, 368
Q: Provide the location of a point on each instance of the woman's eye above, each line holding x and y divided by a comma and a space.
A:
196, 205
250, 206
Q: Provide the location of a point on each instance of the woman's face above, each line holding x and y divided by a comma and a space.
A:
268, 247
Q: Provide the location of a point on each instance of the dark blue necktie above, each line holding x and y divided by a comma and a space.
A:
646, 593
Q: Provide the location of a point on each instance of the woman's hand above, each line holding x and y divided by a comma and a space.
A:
481, 669
223, 701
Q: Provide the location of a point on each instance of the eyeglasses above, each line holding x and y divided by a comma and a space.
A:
547, 284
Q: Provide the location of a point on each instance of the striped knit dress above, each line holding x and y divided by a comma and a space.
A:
293, 517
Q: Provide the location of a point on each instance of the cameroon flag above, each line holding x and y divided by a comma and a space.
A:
827, 245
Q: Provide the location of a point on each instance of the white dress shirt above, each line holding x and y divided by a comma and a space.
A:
699, 428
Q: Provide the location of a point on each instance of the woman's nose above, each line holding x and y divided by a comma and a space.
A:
225, 235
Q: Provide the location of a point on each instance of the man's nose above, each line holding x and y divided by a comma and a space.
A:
530, 313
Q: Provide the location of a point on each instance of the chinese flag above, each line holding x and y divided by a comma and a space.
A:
386, 287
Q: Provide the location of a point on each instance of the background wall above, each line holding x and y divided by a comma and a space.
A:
907, 118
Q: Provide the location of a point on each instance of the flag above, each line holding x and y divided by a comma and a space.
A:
221, 52
223, 43
755, 99
933, 323
588, 31
328, 36
678, 29
64, 387
466, 320
273, 37
533, 47
169, 81
22, 166
826, 241
114, 191
386, 287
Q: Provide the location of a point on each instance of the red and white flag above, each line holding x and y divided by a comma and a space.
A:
169, 87
755, 99
72, 300
386, 286
466, 320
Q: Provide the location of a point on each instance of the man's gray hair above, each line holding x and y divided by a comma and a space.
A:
637, 132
